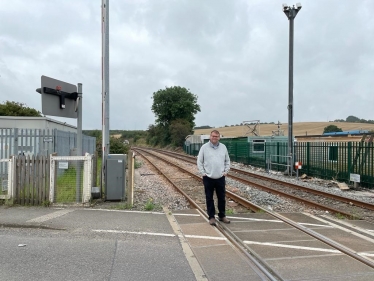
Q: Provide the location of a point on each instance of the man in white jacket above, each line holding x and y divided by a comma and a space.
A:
213, 163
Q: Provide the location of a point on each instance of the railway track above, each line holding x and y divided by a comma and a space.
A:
190, 185
339, 205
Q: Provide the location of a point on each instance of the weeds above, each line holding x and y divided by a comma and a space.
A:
340, 216
355, 217
66, 186
8, 202
46, 203
343, 217
137, 164
229, 212
149, 206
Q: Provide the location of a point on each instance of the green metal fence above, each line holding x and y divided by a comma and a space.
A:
337, 160
326, 160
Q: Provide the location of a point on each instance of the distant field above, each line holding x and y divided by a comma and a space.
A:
299, 129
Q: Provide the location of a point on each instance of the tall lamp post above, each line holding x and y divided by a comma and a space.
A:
291, 13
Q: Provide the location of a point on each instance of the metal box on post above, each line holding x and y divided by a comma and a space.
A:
115, 181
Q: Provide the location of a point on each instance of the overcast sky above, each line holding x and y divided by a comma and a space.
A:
232, 54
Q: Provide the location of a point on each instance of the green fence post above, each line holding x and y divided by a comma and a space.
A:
265, 155
349, 158
236, 152
278, 153
307, 157
248, 153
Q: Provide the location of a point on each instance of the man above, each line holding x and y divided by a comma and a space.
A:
213, 163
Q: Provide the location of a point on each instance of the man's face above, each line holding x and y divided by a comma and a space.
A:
214, 138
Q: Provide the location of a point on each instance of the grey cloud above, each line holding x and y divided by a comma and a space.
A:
232, 54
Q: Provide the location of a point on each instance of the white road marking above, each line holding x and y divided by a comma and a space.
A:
205, 237
304, 248
251, 219
133, 232
125, 211
366, 254
357, 228
291, 246
187, 215
158, 234
51, 215
266, 220
313, 224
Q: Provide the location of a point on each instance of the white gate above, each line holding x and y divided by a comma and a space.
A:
7, 169
71, 179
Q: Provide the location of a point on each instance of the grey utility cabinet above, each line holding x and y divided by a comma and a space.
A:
115, 181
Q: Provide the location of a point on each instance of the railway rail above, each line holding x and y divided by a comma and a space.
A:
190, 185
339, 205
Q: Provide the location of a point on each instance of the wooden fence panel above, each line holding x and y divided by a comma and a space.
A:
44, 193
31, 168
37, 180
32, 180
18, 180
27, 181
23, 180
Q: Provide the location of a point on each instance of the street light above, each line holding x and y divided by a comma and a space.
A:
291, 13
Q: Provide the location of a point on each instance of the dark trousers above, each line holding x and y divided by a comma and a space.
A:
219, 186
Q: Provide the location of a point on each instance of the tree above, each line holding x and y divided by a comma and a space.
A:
92, 133
174, 103
352, 118
157, 135
203, 127
117, 146
12, 108
179, 129
136, 138
169, 105
331, 129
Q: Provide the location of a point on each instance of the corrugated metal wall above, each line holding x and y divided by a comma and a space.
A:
41, 142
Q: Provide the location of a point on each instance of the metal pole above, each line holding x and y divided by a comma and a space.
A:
291, 12
105, 88
79, 122
290, 96
79, 143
